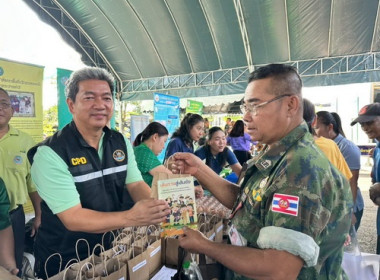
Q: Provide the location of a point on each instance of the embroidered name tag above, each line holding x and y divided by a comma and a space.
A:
286, 204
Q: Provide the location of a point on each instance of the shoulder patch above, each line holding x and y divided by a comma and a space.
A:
118, 155
286, 204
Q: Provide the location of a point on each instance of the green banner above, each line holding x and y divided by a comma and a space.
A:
194, 107
64, 115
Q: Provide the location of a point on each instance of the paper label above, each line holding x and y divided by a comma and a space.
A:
155, 251
139, 265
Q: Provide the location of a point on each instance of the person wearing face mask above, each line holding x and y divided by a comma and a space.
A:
147, 146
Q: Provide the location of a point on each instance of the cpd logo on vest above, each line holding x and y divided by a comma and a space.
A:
77, 161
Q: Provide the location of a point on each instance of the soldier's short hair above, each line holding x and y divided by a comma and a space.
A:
287, 79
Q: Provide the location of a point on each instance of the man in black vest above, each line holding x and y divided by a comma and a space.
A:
87, 177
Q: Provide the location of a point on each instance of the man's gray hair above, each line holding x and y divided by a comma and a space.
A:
87, 73
3, 90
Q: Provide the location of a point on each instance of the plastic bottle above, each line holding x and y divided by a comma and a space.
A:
186, 271
192, 271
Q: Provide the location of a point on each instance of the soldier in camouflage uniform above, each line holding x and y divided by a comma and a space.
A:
292, 213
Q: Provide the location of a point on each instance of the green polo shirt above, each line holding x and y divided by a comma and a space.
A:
146, 161
49, 169
5, 220
15, 167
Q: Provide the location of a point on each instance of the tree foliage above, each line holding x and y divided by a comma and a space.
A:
50, 120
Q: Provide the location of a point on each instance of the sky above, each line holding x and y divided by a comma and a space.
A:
25, 38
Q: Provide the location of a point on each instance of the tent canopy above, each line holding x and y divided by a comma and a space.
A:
195, 48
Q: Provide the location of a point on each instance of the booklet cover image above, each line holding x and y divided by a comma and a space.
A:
179, 194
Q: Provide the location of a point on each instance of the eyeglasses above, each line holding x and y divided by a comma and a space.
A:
4, 105
251, 108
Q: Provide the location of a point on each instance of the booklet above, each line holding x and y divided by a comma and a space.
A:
179, 194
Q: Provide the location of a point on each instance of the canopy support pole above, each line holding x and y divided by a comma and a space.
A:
244, 34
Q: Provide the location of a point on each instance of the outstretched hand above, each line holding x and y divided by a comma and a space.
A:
149, 212
193, 240
184, 163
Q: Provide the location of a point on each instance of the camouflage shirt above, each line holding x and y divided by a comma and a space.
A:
292, 198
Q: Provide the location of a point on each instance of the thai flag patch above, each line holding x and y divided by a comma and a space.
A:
286, 204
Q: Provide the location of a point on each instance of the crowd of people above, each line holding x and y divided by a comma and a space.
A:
292, 208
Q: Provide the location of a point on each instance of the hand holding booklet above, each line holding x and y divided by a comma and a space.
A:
178, 191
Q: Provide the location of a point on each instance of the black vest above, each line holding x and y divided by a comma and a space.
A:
101, 186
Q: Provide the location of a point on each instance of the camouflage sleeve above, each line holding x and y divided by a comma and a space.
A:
303, 208
294, 219
297, 205
293, 222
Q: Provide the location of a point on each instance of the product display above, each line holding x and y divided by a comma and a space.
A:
211, 206
138, 253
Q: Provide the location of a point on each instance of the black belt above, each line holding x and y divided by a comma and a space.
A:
19, 207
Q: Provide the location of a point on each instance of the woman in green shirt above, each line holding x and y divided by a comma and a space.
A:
7, 258
147, 146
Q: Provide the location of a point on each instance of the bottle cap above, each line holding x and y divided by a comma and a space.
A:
186, 264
